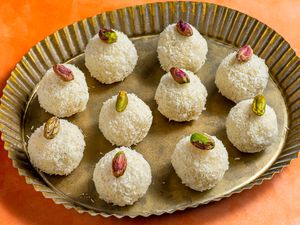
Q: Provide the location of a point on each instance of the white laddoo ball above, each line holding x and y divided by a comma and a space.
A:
249, 132
238, 81
128, 127
63, 98
127, 188
176, 50
181, 102
60, 155
200, 169
110, 63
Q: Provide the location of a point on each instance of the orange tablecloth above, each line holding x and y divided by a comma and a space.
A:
25, 22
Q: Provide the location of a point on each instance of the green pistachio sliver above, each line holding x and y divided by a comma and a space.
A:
119, 164
122, 101
259, 105
202, 141
51, 127
109, 36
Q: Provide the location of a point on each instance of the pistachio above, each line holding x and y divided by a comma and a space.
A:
184, 28
122, 101
119, 164
51, 127
63, 72
259, 105
244, 53
179, 75
202, 141
109, 36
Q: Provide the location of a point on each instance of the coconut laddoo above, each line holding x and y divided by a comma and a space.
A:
63, 90
125, 119
248, 131
200, 161
110, 56
122, 176
180, 95
242, 75
56, 147
181, 45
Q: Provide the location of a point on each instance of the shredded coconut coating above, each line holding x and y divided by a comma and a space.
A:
249, 132
199, 169
238, 81
128, 188
175, 50
110, 63
181, 102
63, 98
60, 155
128, 127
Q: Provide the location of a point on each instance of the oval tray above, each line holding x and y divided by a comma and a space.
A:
224, 29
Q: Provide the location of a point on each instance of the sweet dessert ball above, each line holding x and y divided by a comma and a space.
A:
63, 90
125, 119
110, 56
56, 147
200, 161
242, 75
181, 45
180, 95
122, 176
251, 125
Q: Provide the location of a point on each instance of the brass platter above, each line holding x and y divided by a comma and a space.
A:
225, 30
